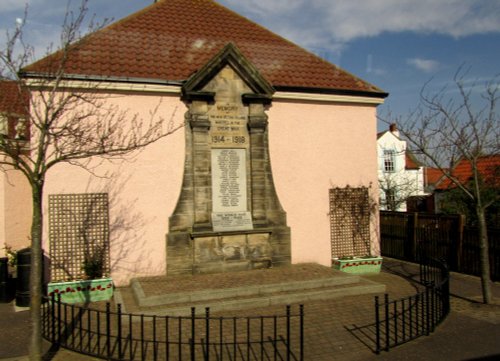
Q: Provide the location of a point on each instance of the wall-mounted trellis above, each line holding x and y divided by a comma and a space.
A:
78, 228
350, 221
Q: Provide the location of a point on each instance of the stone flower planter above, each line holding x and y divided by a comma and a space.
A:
81, 291
358, 265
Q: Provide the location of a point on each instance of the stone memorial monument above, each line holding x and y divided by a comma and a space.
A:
228, 216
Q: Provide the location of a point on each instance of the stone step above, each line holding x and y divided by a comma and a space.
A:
260, 301
208, 295
134, 300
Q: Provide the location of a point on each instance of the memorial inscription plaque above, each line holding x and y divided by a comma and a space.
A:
228, 126
229, 190
229, 168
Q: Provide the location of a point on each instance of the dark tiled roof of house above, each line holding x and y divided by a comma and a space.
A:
11, 100
488, 167
172, 39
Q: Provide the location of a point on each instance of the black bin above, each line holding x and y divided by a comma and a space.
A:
4, 278
23, 277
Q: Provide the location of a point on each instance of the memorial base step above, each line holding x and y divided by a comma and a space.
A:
145, 296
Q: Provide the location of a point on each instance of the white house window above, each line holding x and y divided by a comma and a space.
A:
20, 129
389, 160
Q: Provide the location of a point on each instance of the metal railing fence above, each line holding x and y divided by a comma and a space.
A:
114, 335
402, 320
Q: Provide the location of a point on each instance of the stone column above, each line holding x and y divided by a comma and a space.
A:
200, 126
257, 126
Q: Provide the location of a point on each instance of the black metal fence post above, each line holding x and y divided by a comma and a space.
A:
301, 312
377, 326
403, 319
98, 332
80, 328
65, 339
445, 288
235, 337
427, 310
119, 331
89, 328
143, 356
155, 345
193, 335
108, 330
207, 333
58, 320
248, 338
395, 311
130, 338
53, 316
167, 339
179, 348
387, 320
275, 336
288, 333
221, 338
72, 326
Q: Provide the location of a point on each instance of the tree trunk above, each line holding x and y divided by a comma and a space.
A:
35, 347
484, 255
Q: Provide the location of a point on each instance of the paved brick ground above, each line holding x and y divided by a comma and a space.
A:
471, 331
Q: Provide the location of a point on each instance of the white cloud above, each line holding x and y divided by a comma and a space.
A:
347, 20
262, 8
425, 65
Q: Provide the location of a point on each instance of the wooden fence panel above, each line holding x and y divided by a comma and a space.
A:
441, 237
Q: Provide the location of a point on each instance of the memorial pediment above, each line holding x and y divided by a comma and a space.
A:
230, 56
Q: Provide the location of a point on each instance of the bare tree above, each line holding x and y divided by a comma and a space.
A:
460, 125
61, 124
397, 188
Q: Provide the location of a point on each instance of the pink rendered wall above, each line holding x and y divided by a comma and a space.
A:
15, 197
142, 191
314, 147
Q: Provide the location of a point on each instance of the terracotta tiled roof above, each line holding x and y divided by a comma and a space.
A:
432, 175
172, 39
411, 162
10, 98
488, 167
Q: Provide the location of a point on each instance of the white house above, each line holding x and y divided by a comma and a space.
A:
401, 177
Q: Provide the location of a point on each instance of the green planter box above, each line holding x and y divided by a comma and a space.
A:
82, 290
358, 265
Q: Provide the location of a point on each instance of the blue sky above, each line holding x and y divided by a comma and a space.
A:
398, 45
